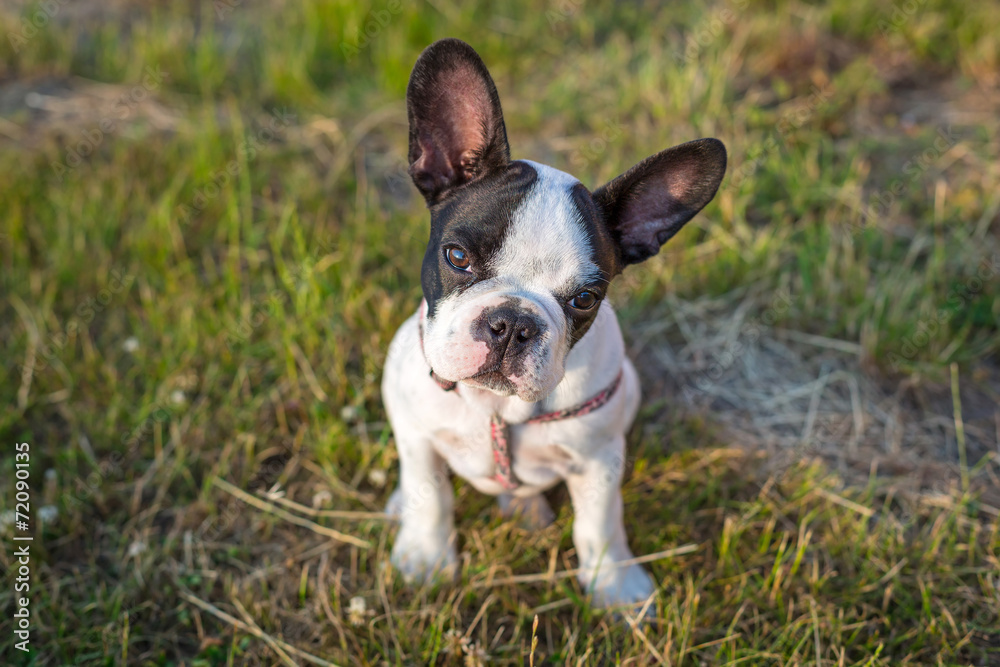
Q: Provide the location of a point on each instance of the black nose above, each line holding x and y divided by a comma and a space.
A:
506, 330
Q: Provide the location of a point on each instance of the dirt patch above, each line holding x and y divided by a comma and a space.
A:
794, 395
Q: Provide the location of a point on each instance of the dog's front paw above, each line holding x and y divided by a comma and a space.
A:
628, 586
422, 556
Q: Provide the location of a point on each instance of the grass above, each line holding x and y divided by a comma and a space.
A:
206, 288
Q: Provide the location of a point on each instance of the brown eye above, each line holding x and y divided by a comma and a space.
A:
458, 258
583, 301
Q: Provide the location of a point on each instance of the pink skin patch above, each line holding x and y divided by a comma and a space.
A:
459, 356
519, 381
464, 360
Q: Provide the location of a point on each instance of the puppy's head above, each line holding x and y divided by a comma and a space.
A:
520, 254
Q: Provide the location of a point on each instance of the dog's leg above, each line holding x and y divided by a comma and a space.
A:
534, 511
599, 531
425, 544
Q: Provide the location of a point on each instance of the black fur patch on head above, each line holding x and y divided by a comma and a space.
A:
603, 253
475, 218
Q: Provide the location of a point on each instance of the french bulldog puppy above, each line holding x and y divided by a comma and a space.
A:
512, 373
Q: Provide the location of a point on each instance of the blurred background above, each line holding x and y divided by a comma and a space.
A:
208, 238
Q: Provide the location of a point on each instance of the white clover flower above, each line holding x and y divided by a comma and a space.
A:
321, 498
476, 656
455, 642
48, 513
130, 344
357, 610
377, 477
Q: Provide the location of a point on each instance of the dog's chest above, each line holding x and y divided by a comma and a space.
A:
539, 460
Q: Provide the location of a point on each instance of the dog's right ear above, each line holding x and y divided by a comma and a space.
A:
457, 134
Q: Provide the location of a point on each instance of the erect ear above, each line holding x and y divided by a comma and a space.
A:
650, 202
457, 133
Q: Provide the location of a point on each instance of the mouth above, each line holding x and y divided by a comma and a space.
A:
493, 380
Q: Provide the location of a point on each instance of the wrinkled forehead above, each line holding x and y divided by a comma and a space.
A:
550, 241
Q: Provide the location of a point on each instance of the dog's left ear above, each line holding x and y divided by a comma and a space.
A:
457, 134
649, 203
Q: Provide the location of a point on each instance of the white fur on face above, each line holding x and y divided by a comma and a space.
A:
546, 253
546, 248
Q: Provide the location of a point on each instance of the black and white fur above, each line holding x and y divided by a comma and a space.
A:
517, 252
